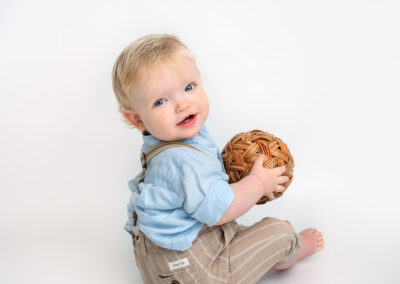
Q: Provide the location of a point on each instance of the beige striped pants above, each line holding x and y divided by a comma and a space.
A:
229, 253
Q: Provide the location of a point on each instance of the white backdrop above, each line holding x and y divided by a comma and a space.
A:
321, 75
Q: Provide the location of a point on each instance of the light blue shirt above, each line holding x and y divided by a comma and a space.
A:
182, 190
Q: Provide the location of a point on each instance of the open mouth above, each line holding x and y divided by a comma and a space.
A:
187, 120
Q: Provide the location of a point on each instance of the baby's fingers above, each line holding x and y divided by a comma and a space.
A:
271, 196
279, 188
282, 179
279, 170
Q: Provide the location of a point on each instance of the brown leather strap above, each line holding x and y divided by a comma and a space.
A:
134, 219
146, 157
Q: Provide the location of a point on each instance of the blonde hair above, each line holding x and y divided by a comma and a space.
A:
144, 53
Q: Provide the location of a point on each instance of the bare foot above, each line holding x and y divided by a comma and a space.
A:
313, 242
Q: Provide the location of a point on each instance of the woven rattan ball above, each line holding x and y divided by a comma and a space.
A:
242, 150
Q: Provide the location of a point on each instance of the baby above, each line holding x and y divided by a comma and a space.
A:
182, 209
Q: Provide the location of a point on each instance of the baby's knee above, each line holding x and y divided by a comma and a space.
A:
279, 225
284, 234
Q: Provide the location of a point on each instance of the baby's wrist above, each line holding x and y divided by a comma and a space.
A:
257, 181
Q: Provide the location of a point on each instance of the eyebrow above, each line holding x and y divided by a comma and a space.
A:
187, 80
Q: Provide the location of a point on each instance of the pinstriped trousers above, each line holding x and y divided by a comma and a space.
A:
229, 253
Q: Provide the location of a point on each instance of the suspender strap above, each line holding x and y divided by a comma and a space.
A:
145, 160
146, 157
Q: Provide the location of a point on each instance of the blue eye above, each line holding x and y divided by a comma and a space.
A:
159, 102
189, 87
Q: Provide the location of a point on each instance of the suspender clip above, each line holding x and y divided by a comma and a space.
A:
144, 162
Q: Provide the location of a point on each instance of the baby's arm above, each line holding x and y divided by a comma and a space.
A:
260, 181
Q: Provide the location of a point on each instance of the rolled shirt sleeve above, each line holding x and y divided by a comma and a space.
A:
203, 187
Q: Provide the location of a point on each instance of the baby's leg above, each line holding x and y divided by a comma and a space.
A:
253, 251
312, 242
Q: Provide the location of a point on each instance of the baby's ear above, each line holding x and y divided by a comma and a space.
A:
134, 119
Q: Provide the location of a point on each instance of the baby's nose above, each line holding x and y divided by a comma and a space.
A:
182, 105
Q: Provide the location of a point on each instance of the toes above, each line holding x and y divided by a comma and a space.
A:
319, 247
315, 238
317, 234
320, 244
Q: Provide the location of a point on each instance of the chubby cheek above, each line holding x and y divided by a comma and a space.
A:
205, 106
156, 121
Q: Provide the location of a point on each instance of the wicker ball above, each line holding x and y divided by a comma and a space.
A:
242, 150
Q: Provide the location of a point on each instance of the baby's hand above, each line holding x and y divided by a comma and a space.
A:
270, 179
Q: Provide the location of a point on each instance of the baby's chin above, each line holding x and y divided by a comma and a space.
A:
180, 135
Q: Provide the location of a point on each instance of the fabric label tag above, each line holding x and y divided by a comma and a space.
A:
178, 264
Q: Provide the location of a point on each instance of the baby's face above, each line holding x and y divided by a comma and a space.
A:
170, 101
